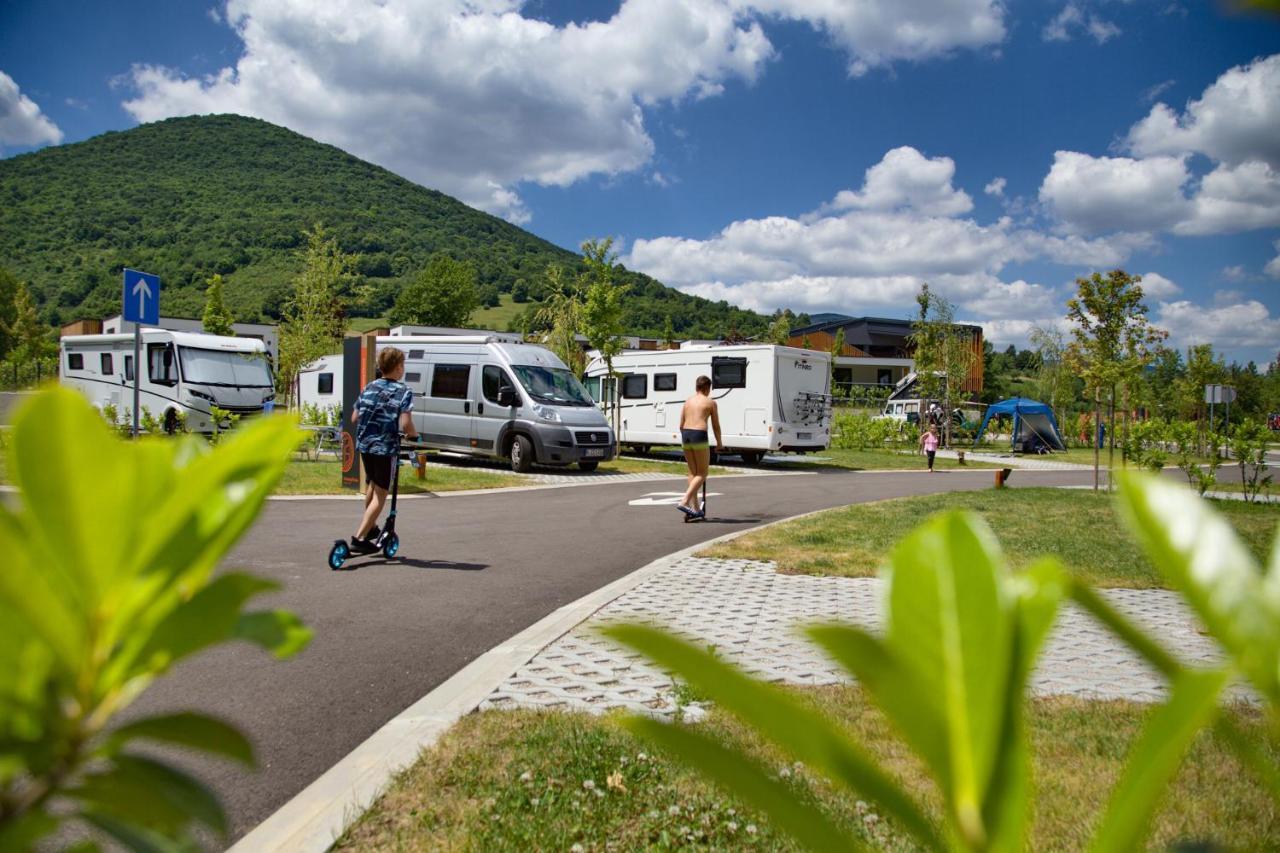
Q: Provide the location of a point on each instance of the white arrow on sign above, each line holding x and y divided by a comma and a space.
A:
664, 498
143, 291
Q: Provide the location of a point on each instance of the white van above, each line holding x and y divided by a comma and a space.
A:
482, 396
184, 372
771, 398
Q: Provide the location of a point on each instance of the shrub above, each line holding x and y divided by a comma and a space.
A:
110, 550
1249, 447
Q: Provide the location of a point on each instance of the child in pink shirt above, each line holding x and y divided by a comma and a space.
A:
929, 443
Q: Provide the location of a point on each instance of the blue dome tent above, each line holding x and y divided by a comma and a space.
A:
1034, 427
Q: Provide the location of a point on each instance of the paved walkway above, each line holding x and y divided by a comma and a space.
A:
750, 613
1009, 460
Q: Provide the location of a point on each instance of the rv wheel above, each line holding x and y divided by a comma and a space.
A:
752, 457
589, 466
170, 422
521, 454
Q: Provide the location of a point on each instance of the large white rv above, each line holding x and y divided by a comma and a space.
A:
771, 398
183, 372
482, 396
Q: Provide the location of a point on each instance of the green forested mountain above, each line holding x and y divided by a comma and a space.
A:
189, 197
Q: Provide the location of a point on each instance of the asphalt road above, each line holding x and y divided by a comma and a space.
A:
474, 570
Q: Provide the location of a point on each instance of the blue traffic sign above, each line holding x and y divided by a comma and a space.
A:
141, 298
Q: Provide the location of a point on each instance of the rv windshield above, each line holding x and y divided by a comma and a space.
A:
229, 369
553, 385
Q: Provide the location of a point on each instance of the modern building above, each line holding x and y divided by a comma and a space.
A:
877, 350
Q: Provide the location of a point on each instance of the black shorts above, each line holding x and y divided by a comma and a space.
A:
377, 469
694, 439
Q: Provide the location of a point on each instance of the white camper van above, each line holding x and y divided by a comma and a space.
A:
771, 398
183, 372
482, 396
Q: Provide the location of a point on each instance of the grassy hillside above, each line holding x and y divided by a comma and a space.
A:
189, 197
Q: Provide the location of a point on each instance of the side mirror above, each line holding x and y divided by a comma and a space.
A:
506, 396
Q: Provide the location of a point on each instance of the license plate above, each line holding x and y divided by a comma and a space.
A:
598, 451
804, 436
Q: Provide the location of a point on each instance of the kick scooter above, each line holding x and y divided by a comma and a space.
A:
388, 541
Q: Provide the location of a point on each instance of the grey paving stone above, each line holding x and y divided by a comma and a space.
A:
751, 615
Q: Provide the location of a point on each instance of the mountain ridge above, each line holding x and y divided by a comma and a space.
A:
189, 197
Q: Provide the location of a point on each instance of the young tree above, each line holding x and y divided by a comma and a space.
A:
780, 327
837, 349
217, 319
1056, 381
1112, 341
443, 294
669, 334
29, 337
8, 308
561, 315
314, 319
602, 308
944, 353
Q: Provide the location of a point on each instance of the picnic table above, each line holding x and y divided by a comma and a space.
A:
323, 438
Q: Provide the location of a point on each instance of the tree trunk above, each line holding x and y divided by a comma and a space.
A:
1093, 439
1126, 415
1111, 437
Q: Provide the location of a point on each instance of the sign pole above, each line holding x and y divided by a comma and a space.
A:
141, 303
137, 373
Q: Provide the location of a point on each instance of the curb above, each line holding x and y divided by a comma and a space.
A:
317, 815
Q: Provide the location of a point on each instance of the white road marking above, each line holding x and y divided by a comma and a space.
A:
664, 498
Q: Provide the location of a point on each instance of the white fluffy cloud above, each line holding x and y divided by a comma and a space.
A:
1097, 194
906, 180
1073, 20
21, 121
472, 97
1247, 323
871, 248
877, 32
995, 187
1157, 286
1234, 121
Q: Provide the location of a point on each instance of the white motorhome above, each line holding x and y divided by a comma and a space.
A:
183, 373
771, 398
482, 396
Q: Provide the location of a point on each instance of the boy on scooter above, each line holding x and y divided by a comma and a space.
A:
380, 413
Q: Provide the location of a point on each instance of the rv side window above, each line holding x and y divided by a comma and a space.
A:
324, 383
635, 386
913, 407
161, 368
415, 354
412, 378
451, 380
106, 364
128, 368
728, 372
592, 384
897, 408
493, 380
75, 361
664, 382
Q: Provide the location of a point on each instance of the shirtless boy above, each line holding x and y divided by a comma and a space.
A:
697, 411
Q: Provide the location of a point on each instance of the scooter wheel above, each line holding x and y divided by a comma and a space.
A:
392, 546
338, 554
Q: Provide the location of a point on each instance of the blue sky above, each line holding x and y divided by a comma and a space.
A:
814, 155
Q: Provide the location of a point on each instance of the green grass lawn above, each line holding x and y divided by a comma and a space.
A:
1080, 528
545, 780
499, 318
304, 477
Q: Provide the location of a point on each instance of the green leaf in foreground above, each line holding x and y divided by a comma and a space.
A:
110, 549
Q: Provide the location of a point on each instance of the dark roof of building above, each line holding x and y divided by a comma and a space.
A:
864, 331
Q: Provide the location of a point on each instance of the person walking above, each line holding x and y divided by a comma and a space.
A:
699, 412
929, 444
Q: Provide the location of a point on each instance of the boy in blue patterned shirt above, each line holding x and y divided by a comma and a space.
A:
380, 413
